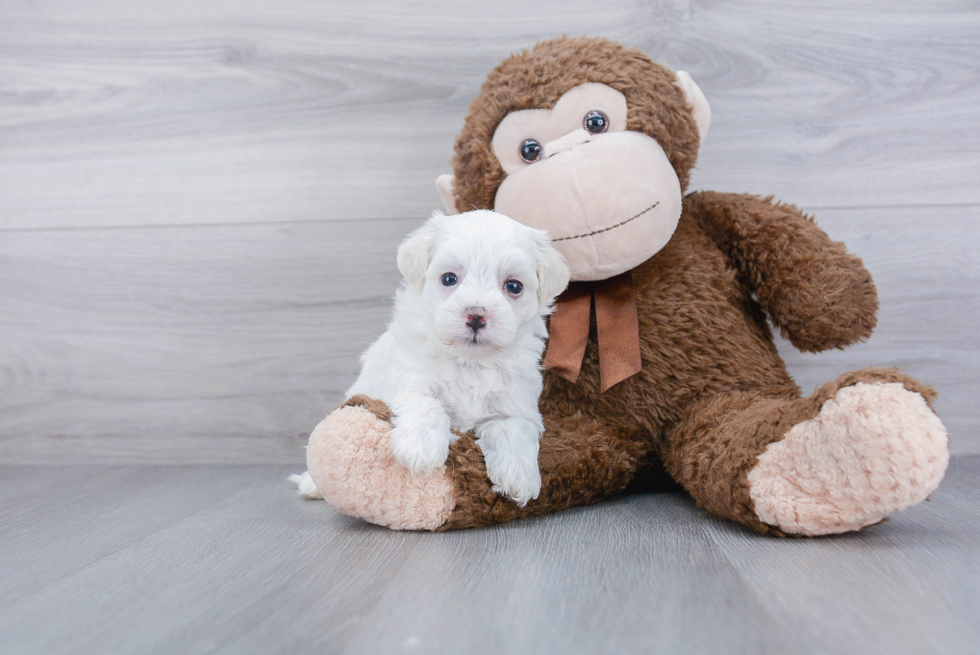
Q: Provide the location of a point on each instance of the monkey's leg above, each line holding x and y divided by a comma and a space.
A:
862, 447
350, 460
581, 462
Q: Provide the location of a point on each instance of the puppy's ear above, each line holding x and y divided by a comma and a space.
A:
415, 252
553, 273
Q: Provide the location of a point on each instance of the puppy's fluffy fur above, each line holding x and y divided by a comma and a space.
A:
462, 350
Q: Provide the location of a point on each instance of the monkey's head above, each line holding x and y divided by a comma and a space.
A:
587, 139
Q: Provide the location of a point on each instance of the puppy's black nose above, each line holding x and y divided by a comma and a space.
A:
476, 318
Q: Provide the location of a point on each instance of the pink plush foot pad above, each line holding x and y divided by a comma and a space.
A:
352, 466
872, 450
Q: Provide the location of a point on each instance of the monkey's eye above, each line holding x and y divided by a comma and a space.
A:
449, 279
595, 122
513, 287
531, 151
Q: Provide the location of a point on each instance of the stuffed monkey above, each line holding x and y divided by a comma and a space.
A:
661, 363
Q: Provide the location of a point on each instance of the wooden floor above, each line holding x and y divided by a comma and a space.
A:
185, 559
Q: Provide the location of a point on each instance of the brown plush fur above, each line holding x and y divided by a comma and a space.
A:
537, 78
713, 448
710, 452
817, 294
581, 462
708, 354
713, 391
376, 407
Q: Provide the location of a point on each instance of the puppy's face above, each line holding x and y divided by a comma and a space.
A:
484, 279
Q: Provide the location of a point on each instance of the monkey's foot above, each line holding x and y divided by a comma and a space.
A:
350, 461
873, 449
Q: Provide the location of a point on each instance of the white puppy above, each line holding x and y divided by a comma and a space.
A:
463, 347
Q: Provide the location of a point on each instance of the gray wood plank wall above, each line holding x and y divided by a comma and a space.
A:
200, 201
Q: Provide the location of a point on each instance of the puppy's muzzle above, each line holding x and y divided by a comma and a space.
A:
476, 318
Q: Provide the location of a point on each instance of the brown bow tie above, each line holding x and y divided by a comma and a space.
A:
617, 324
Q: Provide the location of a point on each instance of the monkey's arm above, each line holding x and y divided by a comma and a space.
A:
580, 460
814, 291
351, 465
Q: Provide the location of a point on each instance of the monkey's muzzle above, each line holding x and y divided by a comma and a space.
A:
609, 204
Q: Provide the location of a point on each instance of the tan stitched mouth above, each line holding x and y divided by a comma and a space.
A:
611, 227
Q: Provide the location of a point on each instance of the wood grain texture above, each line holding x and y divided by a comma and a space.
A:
223, 112
200, 202
228, 559
206, 344
224, 344
891, 589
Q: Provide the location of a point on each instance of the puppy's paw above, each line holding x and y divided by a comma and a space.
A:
421, 449
307, 487
521, 488
513, 474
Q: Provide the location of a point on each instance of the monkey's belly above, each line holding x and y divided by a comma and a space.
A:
700, 334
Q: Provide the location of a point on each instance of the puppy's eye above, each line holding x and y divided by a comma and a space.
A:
449, 279
595, 122
531, 151
513, 287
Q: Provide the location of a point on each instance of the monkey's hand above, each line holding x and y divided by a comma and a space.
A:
814, 291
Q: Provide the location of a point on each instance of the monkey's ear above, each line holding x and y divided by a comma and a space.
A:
699, 104
446, 184
553, 273
415, 252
